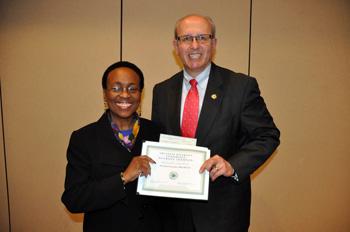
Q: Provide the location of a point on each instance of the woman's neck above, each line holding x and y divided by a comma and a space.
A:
123, 124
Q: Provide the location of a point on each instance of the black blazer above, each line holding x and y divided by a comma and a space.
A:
234, 123
93, 185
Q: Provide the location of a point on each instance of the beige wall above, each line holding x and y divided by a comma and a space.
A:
52, 55
4, 214
301, 56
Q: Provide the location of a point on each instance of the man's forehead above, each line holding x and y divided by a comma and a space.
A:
194, 24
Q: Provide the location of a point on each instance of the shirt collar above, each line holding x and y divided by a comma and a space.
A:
200, 78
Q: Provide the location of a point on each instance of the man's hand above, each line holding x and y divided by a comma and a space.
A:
217, 166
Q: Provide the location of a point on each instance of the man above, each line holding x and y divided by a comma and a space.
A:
225, 112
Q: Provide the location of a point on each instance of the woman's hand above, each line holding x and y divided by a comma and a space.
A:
139, 165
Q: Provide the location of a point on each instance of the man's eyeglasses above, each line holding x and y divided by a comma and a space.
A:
188, 39
118, 89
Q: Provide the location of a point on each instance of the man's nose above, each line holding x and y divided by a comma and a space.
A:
194, 43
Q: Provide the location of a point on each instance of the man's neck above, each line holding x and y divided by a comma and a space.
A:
194, 74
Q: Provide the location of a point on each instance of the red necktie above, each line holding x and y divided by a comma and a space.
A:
190, 112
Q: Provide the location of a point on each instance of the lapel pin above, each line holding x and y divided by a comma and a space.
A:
213, 96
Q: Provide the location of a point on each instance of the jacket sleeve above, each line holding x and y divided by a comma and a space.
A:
83, 192
258, 133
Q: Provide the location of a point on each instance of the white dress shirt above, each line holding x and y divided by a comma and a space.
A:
202, 82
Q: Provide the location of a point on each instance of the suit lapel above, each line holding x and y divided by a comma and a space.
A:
211, 106
174, 105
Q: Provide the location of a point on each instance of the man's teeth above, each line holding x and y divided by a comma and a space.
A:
195, 56
124, 105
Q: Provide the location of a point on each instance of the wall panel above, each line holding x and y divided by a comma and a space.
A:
4, 214
53, 54
301, 54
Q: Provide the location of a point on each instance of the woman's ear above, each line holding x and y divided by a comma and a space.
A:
104, 100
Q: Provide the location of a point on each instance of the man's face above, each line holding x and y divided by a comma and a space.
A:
195, 55
122, 94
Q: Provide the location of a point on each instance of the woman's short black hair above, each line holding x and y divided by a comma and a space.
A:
123, 64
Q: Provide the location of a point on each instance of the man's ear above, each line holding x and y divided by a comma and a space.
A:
175, 44
214, 41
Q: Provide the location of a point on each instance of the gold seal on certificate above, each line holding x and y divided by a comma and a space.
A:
176, 171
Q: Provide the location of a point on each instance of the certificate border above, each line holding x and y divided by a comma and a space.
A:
203, 154
202, 195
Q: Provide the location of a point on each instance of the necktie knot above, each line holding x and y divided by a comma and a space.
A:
193, 83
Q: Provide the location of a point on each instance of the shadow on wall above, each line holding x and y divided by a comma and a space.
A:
262, 167
75, 217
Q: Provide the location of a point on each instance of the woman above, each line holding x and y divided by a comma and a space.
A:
104, 159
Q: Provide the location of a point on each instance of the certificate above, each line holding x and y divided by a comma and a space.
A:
176, 171
164, 138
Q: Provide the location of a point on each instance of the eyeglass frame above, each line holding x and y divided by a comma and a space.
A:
127, 89
200, 38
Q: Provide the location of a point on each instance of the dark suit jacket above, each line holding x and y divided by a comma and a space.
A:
234, 123
93, 185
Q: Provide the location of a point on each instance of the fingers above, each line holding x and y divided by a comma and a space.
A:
139, 166
149, 159
217, 166
210, 164
145, 167
216, 171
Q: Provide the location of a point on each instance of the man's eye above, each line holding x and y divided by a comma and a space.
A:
201, 38
187, 38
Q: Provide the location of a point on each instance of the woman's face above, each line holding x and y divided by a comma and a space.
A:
123, 94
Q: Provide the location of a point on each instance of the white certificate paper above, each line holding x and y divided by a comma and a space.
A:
165, 138
176, 171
